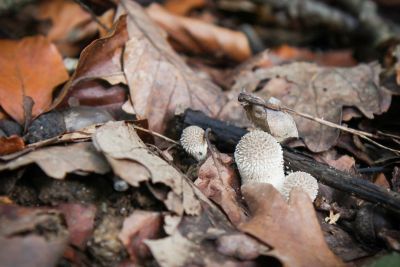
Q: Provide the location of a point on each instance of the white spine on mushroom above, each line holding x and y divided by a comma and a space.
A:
194, 143
259, 159
301, 180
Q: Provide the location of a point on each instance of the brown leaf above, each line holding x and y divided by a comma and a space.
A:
11, 144
340, 58
140, 225
221, 184
64, 15
29, 67
199, 37
80, 222
182, 7
320, 92
132, 161
292, 230
57, 161
158, 79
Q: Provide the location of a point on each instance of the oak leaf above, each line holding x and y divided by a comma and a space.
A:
31, 67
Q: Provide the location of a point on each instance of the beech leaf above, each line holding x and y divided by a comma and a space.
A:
29, 67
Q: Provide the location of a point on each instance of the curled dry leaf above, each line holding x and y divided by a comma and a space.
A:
292, 230
132, 161
320, 92
221, 184
11, 144
31, 67
57, 161
198, 37
140, 226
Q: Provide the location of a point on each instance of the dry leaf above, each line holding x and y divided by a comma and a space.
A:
140, 225
320, 92
292, 230
64, 15
57, 161
159, 81
80, 222
182, 7
198, 37
221, 184
132, 161
11, 144
340, 58
31, 67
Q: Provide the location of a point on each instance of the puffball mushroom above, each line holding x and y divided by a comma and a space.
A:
194, 142
301, 180
259, 159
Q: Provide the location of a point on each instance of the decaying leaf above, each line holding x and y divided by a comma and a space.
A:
132, 161
11, 144
320, 92
57, 161
292, 230
221, 184
31, 67
198, 37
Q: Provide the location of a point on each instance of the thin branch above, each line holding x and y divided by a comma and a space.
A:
93, 15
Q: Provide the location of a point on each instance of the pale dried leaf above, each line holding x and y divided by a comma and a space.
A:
57, 161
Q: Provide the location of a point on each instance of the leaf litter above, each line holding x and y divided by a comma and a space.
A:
163, 217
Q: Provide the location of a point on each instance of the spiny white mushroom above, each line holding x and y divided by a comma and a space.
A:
194, 143
259, 159
302, 180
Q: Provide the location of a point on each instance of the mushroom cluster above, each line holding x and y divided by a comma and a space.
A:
259, 159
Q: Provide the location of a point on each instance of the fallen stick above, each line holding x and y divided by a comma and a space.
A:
228, 135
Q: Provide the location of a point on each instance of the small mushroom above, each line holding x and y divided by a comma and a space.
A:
302, 180
194, 143
259, 159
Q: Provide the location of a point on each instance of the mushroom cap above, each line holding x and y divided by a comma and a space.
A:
302, 180
194, 143
259, 159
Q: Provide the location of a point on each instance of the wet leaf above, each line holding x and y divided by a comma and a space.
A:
132, 161
292, 230
29, 67
321, 92
57, 161
199, 37
11, 144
